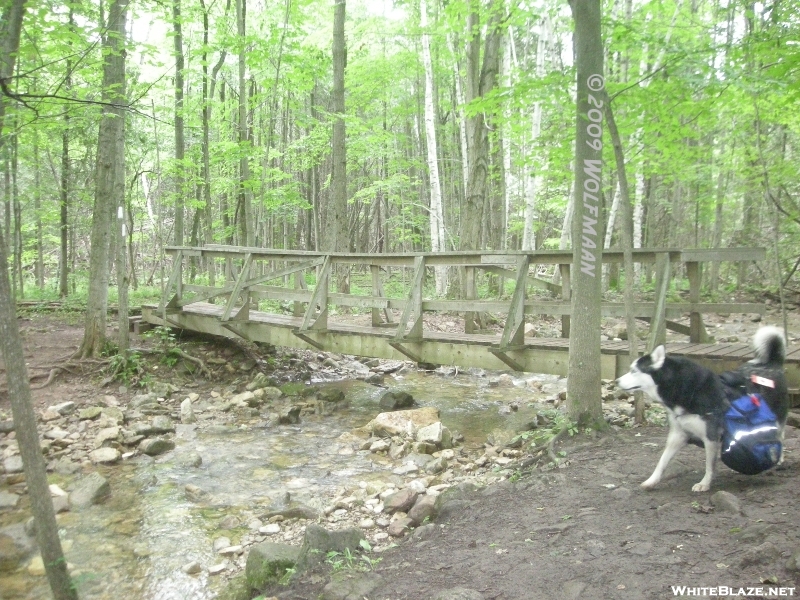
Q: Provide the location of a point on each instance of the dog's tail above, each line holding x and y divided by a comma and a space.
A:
769, 346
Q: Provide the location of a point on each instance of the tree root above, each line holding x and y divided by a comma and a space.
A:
192, 359
551, 445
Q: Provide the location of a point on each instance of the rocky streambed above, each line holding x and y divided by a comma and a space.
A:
167, 494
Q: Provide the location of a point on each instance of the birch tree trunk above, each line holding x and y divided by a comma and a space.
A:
584, 404
438, 243
109, 171
533, 183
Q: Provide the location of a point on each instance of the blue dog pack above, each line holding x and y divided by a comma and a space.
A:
751, 439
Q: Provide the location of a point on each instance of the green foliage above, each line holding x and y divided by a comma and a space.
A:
346, 561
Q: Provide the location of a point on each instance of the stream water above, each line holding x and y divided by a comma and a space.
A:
137, 543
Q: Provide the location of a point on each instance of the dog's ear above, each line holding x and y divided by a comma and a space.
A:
657, 356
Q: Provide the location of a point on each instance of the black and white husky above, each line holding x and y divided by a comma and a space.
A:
696, 399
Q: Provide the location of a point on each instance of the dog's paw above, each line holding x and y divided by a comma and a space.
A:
649, 484
701, 487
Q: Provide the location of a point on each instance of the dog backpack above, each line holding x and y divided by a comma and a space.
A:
751, 437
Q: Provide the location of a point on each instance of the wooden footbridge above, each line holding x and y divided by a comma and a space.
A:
264, 297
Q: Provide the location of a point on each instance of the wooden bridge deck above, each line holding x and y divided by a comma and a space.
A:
397, 328
540, 355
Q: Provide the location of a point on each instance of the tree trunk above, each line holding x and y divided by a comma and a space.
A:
19, 392
180, 145
583, 383
338, 222
535, 181
109, 179
627, 249
244, 207
481, 79
436, 212
37, 207
208, 94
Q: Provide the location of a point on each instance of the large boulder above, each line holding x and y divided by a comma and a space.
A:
268, 562
318, 542
403, 422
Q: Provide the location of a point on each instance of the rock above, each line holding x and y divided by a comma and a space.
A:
13, 464
270, 529
330, 394
90, 414
725, 502
90, 489
113, 414
187, 412
192, 568
106, 435
260, 381
793, 564
403, 422
459, 594
192, 459
231, 550
399, 527
293, 510
36, 567
156, 446
424, 508
764, 554
756, 533
380, 445
160, 389
194, 493
220, 543
162, 424
7, 426
15, 547
56, 434
289, 415
453, 500
268, 562
436, 466
374, 379
431, 434
104, 456
318, 541
63, 409
395, 400
8, 500
141, 399
400, 501
348, 586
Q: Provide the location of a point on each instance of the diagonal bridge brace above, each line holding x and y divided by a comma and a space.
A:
409, 328
513, 338
313, 321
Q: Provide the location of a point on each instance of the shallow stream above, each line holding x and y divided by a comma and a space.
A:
136, 544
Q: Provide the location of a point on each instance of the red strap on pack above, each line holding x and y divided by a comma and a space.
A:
754, 399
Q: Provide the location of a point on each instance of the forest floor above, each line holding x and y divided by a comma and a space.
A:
583, 529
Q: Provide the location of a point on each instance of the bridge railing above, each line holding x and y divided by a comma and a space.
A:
280, 275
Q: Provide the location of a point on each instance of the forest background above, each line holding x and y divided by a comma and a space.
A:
452, 124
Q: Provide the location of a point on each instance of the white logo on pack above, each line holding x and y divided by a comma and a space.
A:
762, 381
